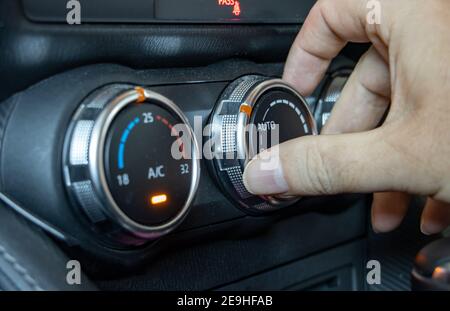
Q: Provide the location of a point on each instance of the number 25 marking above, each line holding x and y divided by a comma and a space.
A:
148, 117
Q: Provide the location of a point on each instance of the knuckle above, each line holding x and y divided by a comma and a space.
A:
321, 10
317, 171
323, 6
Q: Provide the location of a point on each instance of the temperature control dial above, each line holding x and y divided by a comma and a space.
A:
131, 162
254, 114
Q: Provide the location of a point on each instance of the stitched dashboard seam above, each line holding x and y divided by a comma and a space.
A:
19, 269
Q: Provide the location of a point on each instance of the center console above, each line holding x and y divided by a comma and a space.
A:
125, 139
96, 166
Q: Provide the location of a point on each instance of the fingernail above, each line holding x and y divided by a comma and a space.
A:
373, 219
384, 222
375, 230
423, 229
264, 177
430, 228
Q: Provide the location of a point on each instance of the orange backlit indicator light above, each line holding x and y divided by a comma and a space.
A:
141, 94
158, 199
246, 109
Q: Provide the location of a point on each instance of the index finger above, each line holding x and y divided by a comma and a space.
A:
327, 29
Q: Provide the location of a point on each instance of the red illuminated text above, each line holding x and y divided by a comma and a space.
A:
227, 2
234, 3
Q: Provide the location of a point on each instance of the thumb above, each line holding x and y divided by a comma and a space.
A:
318, 165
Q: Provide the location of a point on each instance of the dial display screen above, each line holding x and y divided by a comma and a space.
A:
148, 183
278, 116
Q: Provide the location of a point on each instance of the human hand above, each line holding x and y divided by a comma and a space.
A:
407, 73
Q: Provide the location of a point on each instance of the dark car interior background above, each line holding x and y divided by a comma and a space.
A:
181, 59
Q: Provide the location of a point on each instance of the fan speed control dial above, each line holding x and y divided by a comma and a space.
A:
253, 114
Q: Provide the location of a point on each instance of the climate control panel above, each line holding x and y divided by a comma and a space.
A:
112, 158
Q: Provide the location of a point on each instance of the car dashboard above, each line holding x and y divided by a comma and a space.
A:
87, 118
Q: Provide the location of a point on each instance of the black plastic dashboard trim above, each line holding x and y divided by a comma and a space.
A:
30, 52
